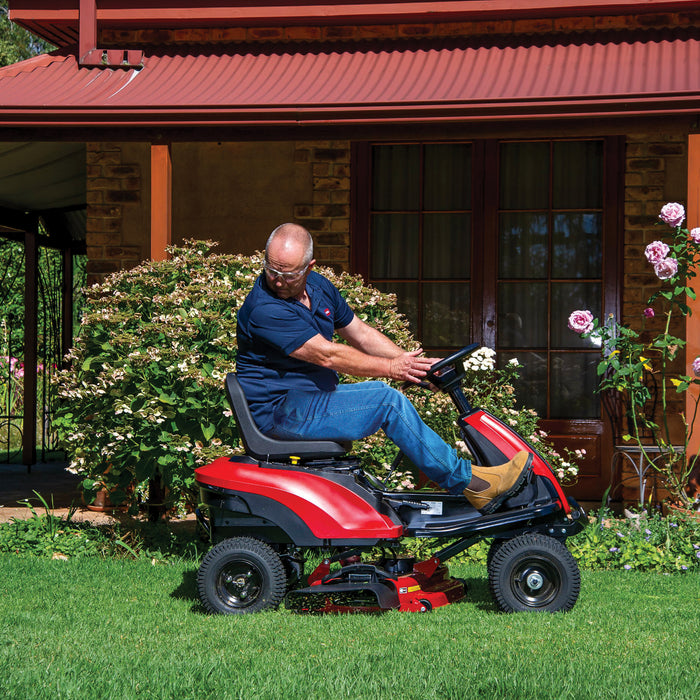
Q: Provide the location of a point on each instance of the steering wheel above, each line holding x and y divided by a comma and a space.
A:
451, 369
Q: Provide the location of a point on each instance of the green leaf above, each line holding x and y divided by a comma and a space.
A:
208, 431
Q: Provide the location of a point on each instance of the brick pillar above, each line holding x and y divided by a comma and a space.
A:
110, 185
327, 216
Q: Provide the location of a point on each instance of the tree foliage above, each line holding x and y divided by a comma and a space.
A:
16, 43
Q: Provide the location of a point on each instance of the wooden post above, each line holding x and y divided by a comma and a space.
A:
161, 200
87, 29
692, 324
67, 302
31, 300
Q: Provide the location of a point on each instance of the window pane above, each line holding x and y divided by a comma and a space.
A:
568, 297
577, 181
396, 178
573, 383
394, 249
445, 315
523, 246
531, 385
446, 246
406, 300
447, 182
524, 176
522, 315
577, 246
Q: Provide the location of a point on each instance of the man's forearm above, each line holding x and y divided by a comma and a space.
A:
369, 340
406, 366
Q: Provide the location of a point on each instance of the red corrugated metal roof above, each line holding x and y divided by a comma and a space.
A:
649, 74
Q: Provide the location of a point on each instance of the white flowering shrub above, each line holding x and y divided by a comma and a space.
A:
144, 393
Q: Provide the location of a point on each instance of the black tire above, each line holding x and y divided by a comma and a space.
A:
241, 575
534, 572
495, 546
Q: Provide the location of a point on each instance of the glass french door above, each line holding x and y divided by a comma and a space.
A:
498, 242
550, 263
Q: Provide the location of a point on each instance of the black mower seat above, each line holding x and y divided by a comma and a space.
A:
260, 446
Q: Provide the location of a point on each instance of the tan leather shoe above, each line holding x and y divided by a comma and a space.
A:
504, 481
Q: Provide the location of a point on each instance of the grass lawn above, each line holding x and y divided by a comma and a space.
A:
93, 628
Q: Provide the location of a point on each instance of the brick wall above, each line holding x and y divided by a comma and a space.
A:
655, 165
111, 185
655, 174
327, 216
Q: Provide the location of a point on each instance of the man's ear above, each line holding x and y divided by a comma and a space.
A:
311, 265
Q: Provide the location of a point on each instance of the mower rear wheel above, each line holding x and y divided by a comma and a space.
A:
533, 572
241, 575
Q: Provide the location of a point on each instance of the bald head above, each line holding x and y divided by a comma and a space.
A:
290, 242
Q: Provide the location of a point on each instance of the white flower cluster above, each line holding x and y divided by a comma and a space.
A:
482, 359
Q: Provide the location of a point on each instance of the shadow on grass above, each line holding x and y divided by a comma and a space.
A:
477, 593
187, 590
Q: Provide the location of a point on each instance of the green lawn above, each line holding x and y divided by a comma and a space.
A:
94, 628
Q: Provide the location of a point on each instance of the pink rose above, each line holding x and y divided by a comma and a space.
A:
666, 268
648, 313
696, 366
656, 252
672, 214
695, 234
581, 321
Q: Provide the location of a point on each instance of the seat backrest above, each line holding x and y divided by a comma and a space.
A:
260, 446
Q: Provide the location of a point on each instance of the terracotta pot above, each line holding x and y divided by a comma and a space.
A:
102, 503
675, 509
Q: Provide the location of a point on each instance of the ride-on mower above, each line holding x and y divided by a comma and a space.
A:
264, 511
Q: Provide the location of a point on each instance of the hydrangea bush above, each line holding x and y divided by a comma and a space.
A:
144, 392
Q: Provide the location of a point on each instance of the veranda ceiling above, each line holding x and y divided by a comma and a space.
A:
47, 178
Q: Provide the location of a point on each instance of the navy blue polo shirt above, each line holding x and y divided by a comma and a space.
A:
269, 328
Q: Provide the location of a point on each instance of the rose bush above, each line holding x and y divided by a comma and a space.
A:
144, 394
626, 356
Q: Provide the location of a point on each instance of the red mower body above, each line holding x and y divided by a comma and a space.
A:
486, 430
331, 510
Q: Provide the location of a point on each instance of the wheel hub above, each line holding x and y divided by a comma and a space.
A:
535, 583
240, 584
535, 580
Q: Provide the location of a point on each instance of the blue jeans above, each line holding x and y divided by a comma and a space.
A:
354, 411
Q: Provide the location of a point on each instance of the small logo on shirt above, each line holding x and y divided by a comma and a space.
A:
327, 312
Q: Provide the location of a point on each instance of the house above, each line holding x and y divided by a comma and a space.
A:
496, 164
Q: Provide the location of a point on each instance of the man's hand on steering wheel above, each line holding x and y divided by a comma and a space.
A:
410, 366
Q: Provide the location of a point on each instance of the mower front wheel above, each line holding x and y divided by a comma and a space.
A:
241, 575
533, 572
